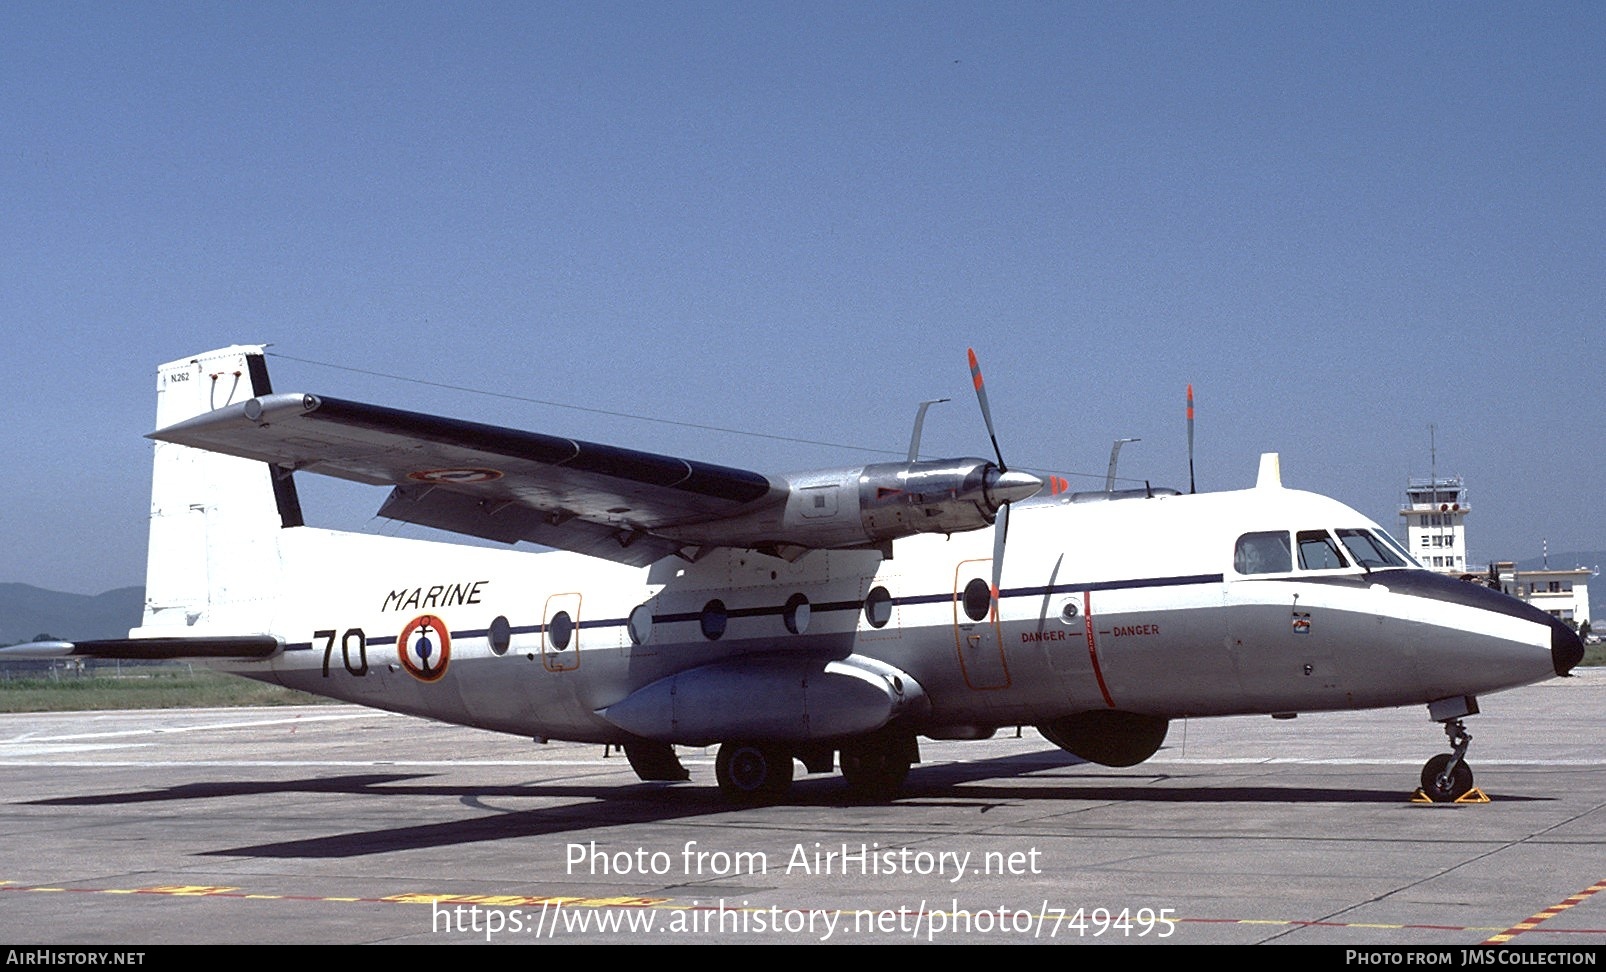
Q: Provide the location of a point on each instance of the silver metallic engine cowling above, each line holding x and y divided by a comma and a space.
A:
942, 496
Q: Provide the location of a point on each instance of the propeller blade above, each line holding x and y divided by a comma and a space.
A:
1000, 536
1190, 438
986, 413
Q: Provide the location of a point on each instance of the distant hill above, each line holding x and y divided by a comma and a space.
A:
26, 611
1565, 561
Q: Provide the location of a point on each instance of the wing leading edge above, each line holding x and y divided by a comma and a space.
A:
486, 481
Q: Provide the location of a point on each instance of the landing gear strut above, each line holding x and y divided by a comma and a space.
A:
1445, 778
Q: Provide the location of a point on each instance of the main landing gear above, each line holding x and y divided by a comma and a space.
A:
752, 773
874, 765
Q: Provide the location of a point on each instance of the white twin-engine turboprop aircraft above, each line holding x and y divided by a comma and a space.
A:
837, 613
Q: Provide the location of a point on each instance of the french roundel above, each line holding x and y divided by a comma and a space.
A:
425, 646
455, 476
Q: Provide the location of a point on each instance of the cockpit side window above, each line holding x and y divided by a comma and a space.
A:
1317, 551
1263, 553
1368, 550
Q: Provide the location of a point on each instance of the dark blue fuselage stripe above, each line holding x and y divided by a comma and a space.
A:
755, 612
1184, 581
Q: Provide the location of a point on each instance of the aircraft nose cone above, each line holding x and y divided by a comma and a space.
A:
1007, 487
1566, 648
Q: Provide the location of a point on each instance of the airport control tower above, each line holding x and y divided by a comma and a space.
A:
1435, 515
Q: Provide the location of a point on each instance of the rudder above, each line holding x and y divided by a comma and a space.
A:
213, 558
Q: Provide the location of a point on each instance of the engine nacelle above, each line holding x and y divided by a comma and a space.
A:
1108, 737
863, 506
941, 496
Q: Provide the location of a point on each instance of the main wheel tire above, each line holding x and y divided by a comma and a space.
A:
753, 773
1459, 784
874, 768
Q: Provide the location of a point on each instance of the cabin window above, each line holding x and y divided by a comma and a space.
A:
713, 619
640, 624
560, 630
878, 607
500, 635
1317, 551
1263, 553
978, 599
796, 614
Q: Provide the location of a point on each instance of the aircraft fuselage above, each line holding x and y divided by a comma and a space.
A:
1132, 605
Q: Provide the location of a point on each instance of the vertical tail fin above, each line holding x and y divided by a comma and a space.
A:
213, 558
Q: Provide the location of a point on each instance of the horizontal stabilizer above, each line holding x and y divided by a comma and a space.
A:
151, 649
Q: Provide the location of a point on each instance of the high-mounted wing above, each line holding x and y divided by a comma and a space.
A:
486, 481
619, 504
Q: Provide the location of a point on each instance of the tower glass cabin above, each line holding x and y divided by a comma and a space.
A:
1435, 515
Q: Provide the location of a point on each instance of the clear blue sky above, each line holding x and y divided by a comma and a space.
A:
1341, 222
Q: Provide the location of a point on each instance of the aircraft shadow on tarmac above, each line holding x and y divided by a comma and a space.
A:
978, 785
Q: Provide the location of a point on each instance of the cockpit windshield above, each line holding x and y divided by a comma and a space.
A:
1369, 551
1318, 552
1269, 552
1398, 547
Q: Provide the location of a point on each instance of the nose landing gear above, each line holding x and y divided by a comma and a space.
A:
1446, 778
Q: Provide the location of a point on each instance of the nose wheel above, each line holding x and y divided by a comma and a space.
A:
1445, 777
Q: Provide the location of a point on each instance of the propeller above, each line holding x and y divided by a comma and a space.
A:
1005, 487
1190, 438
986, 413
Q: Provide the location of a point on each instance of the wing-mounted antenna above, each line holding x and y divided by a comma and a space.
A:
1115, 457
920, 422
1009, 486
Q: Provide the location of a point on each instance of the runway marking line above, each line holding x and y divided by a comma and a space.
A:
517, 900
1536, 920
493, 900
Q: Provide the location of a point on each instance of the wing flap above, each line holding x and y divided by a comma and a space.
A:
511, 522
